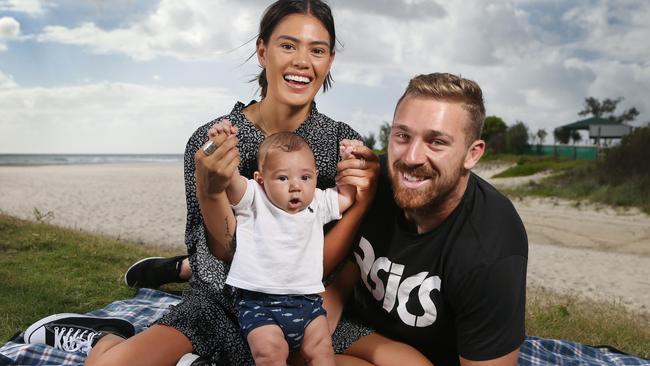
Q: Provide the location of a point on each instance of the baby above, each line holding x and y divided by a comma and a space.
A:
278, 262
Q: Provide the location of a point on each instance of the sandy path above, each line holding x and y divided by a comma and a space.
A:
600, 253
609, 277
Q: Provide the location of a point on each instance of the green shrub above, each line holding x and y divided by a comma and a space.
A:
630, 158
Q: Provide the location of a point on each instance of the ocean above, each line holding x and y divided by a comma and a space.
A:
68, 159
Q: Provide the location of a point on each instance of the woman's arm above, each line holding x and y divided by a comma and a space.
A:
213, 175
361, 172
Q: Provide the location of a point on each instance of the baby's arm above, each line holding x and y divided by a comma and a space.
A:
347, 192
237, 186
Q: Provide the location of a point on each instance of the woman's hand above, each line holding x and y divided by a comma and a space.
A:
361, 172
214, 171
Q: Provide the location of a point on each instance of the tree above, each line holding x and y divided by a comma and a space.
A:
541, 135
517, 138
494, 130
384, 134
575, 136
493, 125
369, 140
562, 135
606, 108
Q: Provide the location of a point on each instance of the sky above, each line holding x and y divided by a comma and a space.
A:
139, 76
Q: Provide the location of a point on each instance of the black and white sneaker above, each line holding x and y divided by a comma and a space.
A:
191, 359
75, 332
154, 271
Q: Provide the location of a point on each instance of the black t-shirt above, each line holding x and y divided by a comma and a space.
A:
459, 289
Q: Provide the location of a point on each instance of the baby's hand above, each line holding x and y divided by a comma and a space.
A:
346, 148
223, 127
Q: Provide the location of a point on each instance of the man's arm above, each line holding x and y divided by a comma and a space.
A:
363, 176
490, 323
338, 291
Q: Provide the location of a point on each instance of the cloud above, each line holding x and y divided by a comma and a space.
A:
33, 8
536, 59
613, 30
187, 30
368, 122
454, 38
398, 9
9, 30
6, 81
104, 117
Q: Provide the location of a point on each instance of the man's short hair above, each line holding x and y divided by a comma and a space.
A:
284, 141
449, 87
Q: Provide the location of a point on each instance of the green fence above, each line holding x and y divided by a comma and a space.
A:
572, 152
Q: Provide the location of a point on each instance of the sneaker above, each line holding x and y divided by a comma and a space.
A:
154, 272
191, 359
75, 332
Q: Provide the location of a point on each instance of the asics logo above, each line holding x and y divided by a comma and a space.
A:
396, 289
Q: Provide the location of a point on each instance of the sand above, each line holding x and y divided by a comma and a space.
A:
139, 202
587, 250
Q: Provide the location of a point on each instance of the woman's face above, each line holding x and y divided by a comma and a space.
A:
297, 59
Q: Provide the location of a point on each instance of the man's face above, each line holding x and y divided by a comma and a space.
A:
427, 151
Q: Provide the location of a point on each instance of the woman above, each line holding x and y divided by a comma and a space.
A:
295, 48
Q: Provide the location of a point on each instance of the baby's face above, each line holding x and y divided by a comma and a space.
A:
289, 179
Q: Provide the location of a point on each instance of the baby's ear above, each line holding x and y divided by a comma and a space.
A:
258, 178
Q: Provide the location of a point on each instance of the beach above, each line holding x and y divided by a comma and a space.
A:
587, 250
144, 202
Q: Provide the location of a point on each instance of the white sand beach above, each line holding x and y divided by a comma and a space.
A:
139, 202
597, 252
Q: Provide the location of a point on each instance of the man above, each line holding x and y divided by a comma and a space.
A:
443, 255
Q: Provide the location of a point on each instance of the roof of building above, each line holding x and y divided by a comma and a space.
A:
585, 123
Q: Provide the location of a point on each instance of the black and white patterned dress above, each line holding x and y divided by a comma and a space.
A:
207, 313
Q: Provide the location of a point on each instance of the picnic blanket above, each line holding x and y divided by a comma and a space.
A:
148, 305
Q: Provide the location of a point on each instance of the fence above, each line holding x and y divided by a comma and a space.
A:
572, 152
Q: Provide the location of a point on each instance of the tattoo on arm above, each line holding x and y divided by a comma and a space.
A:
229, 238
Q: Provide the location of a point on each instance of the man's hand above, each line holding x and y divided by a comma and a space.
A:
361, 172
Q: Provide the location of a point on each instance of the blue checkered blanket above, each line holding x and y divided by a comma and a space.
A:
149, 305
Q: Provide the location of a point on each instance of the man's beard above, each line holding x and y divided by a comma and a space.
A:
432, 195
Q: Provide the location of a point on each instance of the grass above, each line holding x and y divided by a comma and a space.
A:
529, 165
575, 180
550, 315
47, 269
583, 183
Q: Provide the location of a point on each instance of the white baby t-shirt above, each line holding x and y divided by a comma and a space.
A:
278, 252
